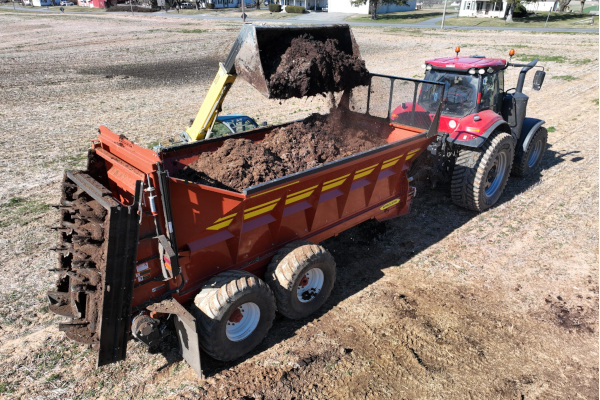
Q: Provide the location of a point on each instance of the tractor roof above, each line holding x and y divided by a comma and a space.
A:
465, 63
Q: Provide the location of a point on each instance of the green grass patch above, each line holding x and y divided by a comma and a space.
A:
567, 78
556, 20
19, 211
194, 30
582, 62
69, 161
531, 57
551, 129
4, 388
404, 17
596, 101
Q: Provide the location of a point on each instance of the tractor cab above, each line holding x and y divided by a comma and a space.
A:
472, 84
473, 94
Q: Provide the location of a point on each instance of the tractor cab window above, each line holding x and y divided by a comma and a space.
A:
460, 93
491, 98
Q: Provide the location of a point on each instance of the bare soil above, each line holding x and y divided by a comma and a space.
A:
442, 303
293, 148
310, 67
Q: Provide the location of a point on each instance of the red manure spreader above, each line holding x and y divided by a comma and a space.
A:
145, 251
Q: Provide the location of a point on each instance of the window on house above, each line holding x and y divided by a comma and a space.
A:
468, 5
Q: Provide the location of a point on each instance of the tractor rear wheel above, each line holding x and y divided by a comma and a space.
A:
529, 160
234, 311
480, 176
301, 276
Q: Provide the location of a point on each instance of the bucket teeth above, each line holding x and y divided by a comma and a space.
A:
68, 185
81, 232
61, 229
63, 247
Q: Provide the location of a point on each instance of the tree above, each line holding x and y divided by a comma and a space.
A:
582, 5
375, 4
562, 5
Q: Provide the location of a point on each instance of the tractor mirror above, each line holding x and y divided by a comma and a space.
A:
538, 79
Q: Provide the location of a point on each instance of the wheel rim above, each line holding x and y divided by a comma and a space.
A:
535, 154
495, 175
242, 322
310, 285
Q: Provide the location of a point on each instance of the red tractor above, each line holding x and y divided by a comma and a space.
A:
484, 135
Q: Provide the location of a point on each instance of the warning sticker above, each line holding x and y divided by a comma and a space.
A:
142, 272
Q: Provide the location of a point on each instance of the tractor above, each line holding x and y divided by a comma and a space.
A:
484, 135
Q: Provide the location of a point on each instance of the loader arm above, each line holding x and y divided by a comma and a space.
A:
212, 105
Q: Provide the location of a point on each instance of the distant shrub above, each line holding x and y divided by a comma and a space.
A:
295, 9
210, 6
520, 11
275, 7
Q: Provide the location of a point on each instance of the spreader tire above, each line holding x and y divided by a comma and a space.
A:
234, 311
480, 176
301, 276
528, 161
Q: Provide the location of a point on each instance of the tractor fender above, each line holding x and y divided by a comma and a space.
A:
530, 126
499, 125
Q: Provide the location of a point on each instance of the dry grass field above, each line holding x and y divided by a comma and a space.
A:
445, 303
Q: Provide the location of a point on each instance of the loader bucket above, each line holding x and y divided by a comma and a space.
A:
257, 50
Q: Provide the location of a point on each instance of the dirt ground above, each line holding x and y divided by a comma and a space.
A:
444, 303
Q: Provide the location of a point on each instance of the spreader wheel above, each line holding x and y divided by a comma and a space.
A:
301, 276
480, 176
528, 161
234, 311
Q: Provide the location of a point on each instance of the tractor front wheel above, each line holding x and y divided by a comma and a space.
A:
301, 276
234, 311
480, 175
529, 160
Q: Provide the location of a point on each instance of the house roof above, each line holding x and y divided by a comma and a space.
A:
467, 62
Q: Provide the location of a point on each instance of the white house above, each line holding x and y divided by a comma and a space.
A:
537, 6
345, 6
482, 8
41, 3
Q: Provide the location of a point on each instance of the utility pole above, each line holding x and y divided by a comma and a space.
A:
444, 14
549, 12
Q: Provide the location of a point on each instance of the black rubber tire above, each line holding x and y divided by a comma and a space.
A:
474, 169
217, 301
528, 161
287, 270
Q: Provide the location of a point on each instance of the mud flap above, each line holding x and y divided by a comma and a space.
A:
185, 328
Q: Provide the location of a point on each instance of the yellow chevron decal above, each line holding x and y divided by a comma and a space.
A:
294, 197
222, 222
334, 182
260, 209
364, 172
391, 162
412, 153
272, 190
